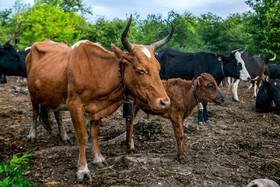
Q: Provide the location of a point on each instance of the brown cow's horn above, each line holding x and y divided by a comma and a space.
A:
160, 43
124, 40
272, 59
7, 42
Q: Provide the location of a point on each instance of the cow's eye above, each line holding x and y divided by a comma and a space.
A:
141, 71
211, 87
240, 65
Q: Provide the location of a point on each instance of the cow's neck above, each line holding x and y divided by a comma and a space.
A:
103, 104
121, 71
218, 72
192, 100
222, 73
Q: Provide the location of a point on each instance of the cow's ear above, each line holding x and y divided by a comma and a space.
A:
118, 52
220, 57
265, 83
198, 81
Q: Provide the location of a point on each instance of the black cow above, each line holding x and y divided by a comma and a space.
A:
12, 63
268, 97
177, 64
274, 71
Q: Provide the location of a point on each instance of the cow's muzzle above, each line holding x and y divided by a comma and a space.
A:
164, 104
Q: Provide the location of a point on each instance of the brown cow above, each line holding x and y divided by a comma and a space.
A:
86, 78
184, 97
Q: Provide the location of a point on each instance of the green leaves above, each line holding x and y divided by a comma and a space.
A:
62, 21
13, 172
264, 27
46, 21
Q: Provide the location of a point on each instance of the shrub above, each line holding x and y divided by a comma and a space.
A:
11, 174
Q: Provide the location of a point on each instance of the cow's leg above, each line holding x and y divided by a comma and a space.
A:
18, 79
82, 137
200, 113
129, 131
33, 129
62, 132
98, 159
255, 89
229, 80
205, 115
3, 79
234, 90
177, 123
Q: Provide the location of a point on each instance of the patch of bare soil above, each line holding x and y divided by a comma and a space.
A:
239, 145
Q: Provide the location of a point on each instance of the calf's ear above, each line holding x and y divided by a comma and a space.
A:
198, 81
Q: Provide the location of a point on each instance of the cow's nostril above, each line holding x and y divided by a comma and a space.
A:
164, 103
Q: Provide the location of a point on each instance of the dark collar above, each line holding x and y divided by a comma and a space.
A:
222, 67
120, 69
194, 94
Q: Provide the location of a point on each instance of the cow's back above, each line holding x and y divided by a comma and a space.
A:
177, 64
47, 73
274, 71
253, 64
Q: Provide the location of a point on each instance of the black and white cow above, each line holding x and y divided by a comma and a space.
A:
256, 67
268, 97
12, 62
177, 64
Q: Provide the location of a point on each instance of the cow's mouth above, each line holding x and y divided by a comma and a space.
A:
218, 102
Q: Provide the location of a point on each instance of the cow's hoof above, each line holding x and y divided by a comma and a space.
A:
207, 121
100, 162
82, 173
201, 123
131, 151
182, 160
31, 138
66, 140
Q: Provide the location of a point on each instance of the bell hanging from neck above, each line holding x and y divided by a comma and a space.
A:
128, 109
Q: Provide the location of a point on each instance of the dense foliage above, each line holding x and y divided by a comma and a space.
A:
256, 31
12, 173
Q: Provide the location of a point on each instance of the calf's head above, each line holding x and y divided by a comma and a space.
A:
140, 71
206, 89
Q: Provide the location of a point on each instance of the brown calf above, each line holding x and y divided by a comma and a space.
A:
86, 78
184, 97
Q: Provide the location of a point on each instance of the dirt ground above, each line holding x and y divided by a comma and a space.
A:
239, 145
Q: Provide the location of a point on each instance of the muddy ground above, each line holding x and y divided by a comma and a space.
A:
238, 146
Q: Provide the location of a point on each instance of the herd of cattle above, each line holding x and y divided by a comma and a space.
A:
91, 82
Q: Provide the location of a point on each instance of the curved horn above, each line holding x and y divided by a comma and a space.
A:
8, 42
272, 59
124, 40
160, 43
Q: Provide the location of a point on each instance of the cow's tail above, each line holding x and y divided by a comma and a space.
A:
44, 118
